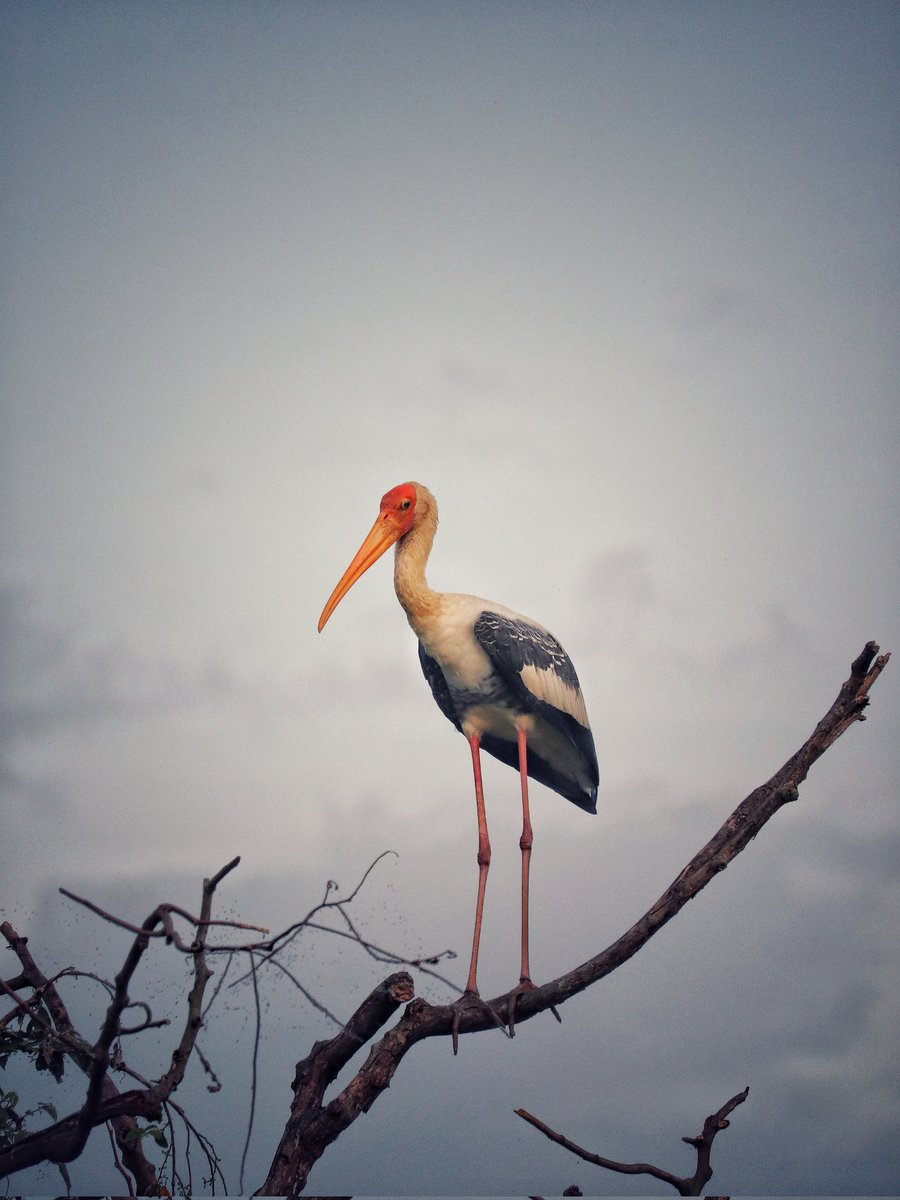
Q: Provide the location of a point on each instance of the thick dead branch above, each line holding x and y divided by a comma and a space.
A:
685, 1185
312, 1128
305, 1130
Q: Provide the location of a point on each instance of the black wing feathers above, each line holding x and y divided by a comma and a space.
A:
513, 644
438, 685
542, 771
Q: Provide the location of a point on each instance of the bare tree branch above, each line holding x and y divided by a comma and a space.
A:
124, 1127
60, 1142
64, 1141
688, 1185
311, 1128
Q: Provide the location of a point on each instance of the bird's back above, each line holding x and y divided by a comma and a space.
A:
528, 679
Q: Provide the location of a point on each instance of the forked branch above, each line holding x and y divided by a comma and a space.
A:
685, 1185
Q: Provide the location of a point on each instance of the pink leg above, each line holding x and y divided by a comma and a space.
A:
525, 842
484, 861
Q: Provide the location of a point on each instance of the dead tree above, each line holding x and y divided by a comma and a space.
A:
39, 1024
312, 1124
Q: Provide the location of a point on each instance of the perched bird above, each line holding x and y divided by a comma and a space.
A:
503, 680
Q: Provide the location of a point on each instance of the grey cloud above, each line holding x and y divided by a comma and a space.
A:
56, 675
625, 578
776, 638
467, 377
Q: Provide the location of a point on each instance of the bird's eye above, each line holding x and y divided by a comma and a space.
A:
406, 504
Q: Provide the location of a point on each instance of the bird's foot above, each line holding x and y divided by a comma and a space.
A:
524, 985
470, 1002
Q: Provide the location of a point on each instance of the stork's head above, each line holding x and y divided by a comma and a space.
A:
403, 508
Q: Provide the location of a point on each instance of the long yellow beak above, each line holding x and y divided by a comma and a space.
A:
381, 537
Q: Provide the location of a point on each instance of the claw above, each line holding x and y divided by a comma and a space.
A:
454, 1031
524, 985
471, 1000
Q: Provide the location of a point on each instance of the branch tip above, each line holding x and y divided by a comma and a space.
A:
210, 885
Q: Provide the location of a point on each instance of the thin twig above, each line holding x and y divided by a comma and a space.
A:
167, 932
117, 1162
254, 1068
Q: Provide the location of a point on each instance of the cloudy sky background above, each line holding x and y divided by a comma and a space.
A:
618, 282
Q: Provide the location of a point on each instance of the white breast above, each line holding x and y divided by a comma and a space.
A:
448, 638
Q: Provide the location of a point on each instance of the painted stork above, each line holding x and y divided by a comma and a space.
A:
503, 680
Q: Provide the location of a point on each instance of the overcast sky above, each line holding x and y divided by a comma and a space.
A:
618, 282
